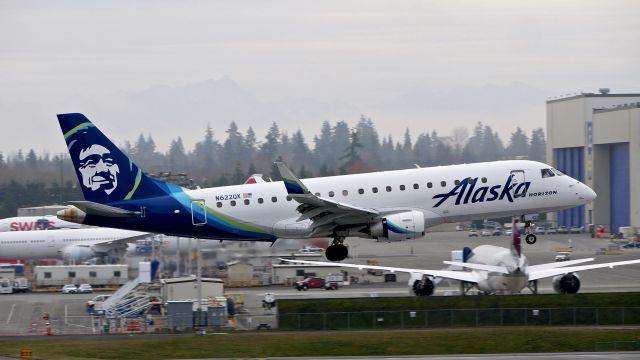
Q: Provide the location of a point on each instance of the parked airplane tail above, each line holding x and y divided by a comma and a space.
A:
516, 242
106, 174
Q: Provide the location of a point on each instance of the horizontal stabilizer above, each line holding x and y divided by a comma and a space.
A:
92, 208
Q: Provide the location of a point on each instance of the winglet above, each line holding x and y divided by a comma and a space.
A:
291, 182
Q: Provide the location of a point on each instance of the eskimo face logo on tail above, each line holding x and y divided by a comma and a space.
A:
98, 169
466, 192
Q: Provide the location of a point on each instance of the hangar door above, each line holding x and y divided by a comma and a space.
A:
571, 162
619, 175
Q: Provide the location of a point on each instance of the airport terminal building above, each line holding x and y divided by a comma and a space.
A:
595, 138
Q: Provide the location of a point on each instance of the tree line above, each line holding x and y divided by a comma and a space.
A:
33, 180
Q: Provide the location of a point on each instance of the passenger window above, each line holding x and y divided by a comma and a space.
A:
274, 199
388, 188
331, 194
401, 187
374, 190
246, 201
260, 200
484, 179
429, 185
233, 203
547, 173
360, 191
443, 183
416, 186
457, 182
219, 204
345, 193
289, 198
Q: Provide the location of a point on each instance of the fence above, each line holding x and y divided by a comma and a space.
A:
409, 319
58, 324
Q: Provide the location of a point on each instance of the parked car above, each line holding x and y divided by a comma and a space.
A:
473, 233
563, 230
69, 289
85, 289
508, 232
315, 283
540, 230
496, 232
576, 230
311, 250
631, 245
563, 256
486, 232
552, 230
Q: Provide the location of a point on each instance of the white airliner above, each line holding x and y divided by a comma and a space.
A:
494, 270
390, 205
67, 244
25, 223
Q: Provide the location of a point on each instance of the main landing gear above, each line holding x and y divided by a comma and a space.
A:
337, 251
529, 238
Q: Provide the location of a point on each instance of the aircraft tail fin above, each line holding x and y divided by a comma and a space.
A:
105, 173
516, 242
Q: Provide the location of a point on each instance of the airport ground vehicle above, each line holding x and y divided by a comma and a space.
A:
315, 283
69, 289
563, 230
473, 233
486, 232
6, 287
563, 256
85, 289
576, 230
552, 230
21, 285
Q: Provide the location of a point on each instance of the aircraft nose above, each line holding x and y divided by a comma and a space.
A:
586, 193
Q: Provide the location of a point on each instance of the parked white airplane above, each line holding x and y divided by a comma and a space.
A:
25, 223
494, 270
68, 244
390, 205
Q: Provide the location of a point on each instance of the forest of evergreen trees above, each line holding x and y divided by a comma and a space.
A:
34, 180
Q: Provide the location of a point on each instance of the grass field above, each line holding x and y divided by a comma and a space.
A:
363, 343
600, 300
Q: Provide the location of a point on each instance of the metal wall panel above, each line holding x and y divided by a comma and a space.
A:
620, 176
571, 162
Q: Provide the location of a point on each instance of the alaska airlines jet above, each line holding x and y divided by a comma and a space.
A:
494, 270
66, 244
25, 223
390, 205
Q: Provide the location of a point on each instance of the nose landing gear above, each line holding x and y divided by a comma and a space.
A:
529, 238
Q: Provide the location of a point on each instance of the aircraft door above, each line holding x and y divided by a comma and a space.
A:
198, 212
518, 187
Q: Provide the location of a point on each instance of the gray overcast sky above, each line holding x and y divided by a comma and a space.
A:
169, 68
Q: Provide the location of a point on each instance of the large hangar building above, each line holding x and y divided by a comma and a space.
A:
595, 138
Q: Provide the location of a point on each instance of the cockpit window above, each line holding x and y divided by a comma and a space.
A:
558, 172
547, 173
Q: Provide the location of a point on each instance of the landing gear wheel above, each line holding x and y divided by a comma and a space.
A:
336, 252
530, 239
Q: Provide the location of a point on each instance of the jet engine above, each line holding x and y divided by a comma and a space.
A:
421, 285
397, 227
566, 284
75, 253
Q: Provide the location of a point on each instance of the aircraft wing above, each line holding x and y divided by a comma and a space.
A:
482, 267
554, 265
324, 213
129, 236
540, 274
470, 277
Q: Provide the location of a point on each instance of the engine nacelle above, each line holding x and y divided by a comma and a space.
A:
421, 285
75, 253
566, 284
397, 227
